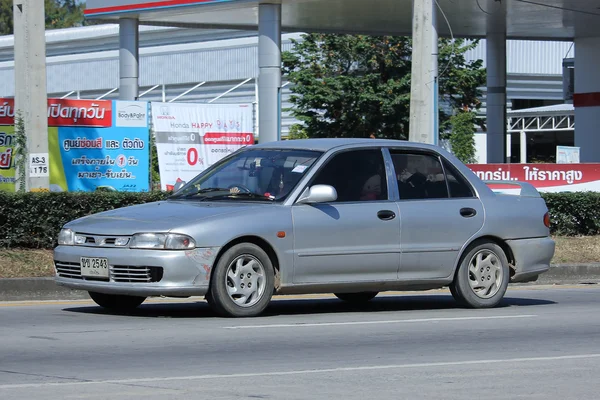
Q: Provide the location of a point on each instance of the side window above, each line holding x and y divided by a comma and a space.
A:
356, 175
419, 176
459, 187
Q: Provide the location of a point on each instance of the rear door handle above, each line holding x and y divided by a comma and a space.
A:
386, 215
468, 212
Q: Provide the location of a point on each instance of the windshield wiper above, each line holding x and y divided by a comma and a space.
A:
200, 192
247, 195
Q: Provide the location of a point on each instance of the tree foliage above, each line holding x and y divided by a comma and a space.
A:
462, 136
356, 85
59, 14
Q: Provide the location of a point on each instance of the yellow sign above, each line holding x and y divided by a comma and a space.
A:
7, 163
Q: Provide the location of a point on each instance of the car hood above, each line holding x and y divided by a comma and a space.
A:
160, 216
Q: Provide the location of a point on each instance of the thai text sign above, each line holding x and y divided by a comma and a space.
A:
92, 144
545, 177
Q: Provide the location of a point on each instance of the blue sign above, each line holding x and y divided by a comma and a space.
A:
111, 158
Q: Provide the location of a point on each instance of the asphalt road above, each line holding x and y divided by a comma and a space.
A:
544, 343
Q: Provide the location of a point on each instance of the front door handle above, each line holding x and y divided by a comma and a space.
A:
468, 212
386, 215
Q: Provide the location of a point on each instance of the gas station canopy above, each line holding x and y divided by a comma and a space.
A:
525, 19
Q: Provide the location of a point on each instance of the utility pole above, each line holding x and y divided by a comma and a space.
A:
31, 99
424, 75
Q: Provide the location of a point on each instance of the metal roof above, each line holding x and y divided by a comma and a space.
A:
525, 19
546, 111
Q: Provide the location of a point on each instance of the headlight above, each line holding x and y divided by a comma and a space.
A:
163, 241
66, 237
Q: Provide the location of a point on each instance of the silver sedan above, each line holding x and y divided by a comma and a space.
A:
353, 217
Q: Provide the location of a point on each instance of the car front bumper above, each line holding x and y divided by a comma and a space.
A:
139, 272
532, 257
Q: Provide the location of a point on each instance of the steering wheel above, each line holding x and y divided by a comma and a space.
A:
241, 187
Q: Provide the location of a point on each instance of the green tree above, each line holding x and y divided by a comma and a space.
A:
64, 14
356, 85
297, 131
462, 136
59, 14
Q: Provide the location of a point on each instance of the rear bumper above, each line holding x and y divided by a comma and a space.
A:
532, 257
183, 273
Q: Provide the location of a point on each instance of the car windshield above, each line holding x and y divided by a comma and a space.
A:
252, 174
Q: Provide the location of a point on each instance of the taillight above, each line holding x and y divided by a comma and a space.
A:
547, 220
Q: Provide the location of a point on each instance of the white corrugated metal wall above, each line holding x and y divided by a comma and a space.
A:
85, 61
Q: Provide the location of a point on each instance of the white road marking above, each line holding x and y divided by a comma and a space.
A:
395, 321
299, 372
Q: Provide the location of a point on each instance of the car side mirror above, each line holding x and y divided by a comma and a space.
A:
178, 185
318, 194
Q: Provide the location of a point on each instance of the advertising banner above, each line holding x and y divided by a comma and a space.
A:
92, 144
7, 170
192, 137
567, 155
545, 177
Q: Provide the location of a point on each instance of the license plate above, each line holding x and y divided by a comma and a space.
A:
94, 267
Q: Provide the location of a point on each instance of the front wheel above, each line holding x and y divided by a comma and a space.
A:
482, 277
243, 281
116, 302
356, 298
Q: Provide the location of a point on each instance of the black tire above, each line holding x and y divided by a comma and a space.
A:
116, 302
208, 297
494, 270
219, 297
455, 294
356, 298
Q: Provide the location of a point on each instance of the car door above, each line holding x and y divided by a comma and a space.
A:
439, 211
355, 238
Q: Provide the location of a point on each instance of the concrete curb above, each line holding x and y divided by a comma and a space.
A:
31, 289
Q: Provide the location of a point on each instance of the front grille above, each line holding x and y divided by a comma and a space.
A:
101, 240
117, 273
68, 270
124, 273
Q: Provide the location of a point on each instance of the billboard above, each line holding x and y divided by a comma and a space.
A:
192, 137
91, 144
545, 177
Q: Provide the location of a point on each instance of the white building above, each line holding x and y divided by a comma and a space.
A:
191, 65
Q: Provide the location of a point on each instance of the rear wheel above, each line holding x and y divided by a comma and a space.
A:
482, 277
242, 282
356, 298
116, 302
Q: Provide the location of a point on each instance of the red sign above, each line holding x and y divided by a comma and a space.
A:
66, 112
222, 138
150, 5
545, 177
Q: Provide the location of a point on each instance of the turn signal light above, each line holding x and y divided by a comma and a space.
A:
547, 220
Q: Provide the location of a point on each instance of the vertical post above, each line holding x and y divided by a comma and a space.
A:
496, 82
269, 64
424, 73
31, 99
435, 73
257, 110
586, 98
523, 147
128, 59
164, 93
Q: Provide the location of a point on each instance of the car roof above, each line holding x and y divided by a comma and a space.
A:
327, 144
